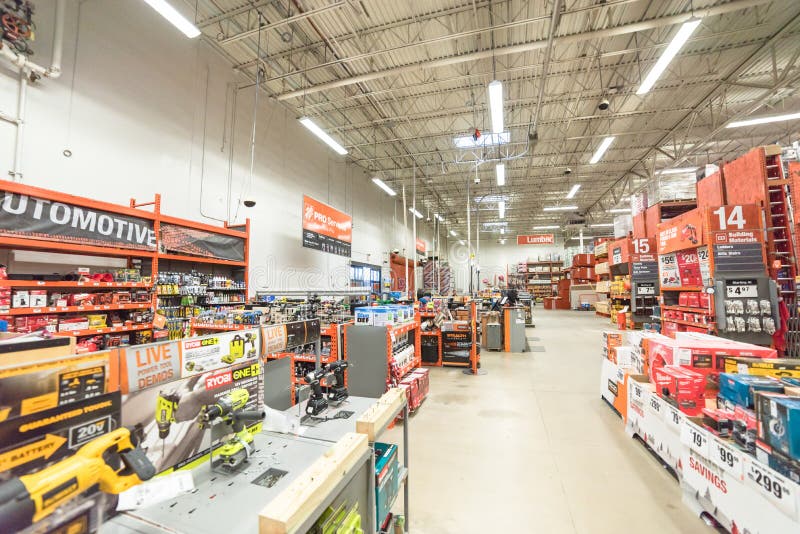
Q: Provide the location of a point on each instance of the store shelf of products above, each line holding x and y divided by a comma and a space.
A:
76, 309
77, 285
108, 330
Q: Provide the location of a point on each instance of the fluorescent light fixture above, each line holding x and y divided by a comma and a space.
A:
601, 225
461, 242
467, 141
502, 231
496, 105
548, 227
417, 214
764, 120
380, 183
500, 169
174, 18
620, 210
598, 154
573, 190
438, 217
679, 170
669, 53
501, 209
453, 233
319, 132
560, 208
495, 223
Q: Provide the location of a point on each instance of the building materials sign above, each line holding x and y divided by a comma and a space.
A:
736, 238
38, 218
536, 239
182, 240
326, 228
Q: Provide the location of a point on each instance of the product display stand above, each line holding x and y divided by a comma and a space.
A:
374, 423
371, 351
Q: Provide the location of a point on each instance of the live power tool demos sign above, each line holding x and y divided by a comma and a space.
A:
38, 218
326, 228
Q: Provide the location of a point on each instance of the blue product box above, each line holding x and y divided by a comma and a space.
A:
739, 389
387, 479
779, 423
364, 316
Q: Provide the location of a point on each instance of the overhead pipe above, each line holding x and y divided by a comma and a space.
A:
22, 97
22, 61
735, 5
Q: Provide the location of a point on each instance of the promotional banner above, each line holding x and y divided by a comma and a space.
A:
282, 337
38, 218
421, 246
689, 268
32, 441
326, 228
182, 240
168, 414
31, 388
143, 366
215, 351
668, 270
536, 239
682, 232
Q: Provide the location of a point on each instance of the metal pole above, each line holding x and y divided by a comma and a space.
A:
405, 226
22, 97
469, 235
405, 462
414, 236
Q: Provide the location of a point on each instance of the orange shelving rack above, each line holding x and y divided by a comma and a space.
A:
48, 221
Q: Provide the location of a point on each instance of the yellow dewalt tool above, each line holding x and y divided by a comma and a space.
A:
30, 498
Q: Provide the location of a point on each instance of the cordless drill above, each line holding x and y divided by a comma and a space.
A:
166, 407
230, 409
316, 401
337, 392
30, 498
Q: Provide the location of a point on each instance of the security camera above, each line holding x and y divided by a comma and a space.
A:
567, 171
396, 251
477, 180
604, 104
249, 203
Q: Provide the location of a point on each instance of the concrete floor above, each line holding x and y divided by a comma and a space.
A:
531, 447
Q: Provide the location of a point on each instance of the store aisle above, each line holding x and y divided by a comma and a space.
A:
531, 447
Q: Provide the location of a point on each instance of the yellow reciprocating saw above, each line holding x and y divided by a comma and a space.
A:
30, 498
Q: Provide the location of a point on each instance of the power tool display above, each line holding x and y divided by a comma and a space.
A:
230, 410
30, 498
337, 392
316, 401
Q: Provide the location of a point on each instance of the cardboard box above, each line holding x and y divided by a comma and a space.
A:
614, 386
779, 422
775, 367
740, 389
34, 350
20, 299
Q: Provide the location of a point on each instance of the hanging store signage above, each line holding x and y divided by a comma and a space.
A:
195, 242
421, 246
326, 228
682, 232
736, 238
536, 239
644, 263
42, 219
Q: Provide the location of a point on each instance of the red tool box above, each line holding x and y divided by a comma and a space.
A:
681, 387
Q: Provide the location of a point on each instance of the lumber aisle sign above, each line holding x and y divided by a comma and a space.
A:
326, 228
536, 239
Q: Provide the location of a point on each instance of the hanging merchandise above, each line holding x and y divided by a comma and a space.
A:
16, 24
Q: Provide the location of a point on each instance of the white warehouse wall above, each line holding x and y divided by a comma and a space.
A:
145, 110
